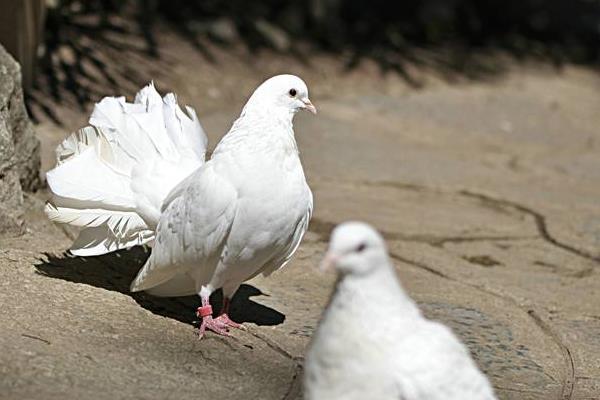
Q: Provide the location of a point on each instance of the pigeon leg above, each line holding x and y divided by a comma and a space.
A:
208, 322
224, 316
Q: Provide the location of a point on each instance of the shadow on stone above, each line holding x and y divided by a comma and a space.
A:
115, 272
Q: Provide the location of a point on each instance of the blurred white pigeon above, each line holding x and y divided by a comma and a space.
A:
372, 341
137, 175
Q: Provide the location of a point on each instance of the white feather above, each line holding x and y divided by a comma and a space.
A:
87, 177
112, 177
100, 240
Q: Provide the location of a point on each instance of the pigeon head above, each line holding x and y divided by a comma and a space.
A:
286, 93
355, 248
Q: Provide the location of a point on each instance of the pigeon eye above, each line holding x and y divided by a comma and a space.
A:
292, 92
361, 247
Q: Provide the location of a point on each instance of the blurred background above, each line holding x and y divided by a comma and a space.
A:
76, 46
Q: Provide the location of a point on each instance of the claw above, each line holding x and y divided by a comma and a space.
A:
213, 324
224, 318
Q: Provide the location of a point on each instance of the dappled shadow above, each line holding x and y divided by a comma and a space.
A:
388, 31
115, 272
87, 42
92, 51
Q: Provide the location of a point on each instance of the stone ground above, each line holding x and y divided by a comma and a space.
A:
486, 192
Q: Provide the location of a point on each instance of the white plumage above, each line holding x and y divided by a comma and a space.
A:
111, 177
138, 175
374, 343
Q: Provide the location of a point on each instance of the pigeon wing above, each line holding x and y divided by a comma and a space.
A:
301, 228
192, 230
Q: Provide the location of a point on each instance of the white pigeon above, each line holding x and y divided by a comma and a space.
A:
138, 175
374, 343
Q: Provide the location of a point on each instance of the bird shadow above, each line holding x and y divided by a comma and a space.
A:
115, 272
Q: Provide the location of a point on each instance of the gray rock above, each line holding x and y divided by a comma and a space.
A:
19, 147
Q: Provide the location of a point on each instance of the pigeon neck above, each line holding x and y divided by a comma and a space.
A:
260, 110
379, 289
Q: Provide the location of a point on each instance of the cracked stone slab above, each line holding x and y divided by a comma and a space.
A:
418, 213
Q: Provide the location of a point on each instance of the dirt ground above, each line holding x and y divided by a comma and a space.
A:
486, 191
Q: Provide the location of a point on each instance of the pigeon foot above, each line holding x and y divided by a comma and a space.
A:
217, 325
212, 324
224, 318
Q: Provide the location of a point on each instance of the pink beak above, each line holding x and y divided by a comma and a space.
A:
328, 262
309, 106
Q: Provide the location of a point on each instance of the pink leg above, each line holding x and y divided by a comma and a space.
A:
224, 316
208, 322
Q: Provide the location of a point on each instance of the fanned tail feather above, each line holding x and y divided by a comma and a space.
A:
105, 230
112, 177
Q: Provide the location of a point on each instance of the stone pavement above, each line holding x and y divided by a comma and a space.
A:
488, 196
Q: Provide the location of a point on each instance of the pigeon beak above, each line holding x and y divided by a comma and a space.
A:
328, 262
309, 106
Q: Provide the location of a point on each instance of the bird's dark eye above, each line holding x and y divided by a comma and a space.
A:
292, 92
361, 247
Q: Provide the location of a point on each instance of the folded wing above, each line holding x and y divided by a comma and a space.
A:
192, 233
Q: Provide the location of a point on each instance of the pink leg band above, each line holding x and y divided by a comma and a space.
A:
204, 311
